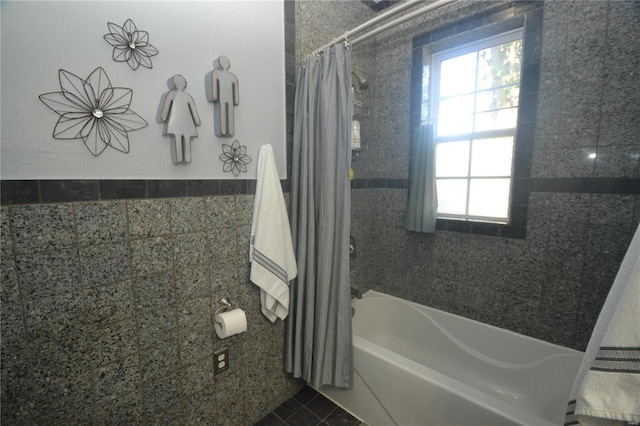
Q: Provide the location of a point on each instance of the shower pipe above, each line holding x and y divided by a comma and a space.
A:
385, 15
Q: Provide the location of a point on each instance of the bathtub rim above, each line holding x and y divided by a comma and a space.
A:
371, 294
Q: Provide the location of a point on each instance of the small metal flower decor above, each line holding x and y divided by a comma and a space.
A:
130, 45
235, 158
94, 111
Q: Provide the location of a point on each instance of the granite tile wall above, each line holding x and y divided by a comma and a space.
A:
582, 211
107, 314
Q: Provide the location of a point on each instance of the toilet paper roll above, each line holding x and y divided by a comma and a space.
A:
230, 323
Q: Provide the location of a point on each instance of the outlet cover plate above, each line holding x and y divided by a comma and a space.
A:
220, 361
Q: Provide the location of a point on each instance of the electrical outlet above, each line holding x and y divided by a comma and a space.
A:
220, 361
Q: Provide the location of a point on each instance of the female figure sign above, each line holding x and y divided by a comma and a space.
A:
181, 118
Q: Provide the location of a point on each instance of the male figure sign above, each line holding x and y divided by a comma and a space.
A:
181, 118
222, 90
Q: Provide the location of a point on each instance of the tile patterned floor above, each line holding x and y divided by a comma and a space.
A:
308, 408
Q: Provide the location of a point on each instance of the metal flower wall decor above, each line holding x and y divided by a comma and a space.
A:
235, 158
130, 45
94, 111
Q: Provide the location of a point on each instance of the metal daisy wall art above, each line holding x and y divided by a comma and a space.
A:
94, 111
235, 158
130, 45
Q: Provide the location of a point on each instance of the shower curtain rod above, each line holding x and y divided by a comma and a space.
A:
385, 15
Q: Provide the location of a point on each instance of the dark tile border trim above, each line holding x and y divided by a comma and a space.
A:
19, 192
587, 185
573, 185
518, 226
15, 192
68, 190
122, 189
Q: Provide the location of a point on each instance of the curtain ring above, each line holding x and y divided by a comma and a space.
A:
347, 43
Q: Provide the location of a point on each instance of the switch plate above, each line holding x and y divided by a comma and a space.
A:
220, 361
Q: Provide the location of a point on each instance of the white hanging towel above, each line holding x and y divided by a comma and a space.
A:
607, 388
273, 263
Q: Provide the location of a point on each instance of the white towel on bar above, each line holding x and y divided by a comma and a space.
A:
607, 388
273, 263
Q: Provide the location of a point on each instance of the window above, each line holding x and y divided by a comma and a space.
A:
471, 94
475, 210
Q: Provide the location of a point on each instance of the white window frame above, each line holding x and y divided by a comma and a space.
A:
434, 74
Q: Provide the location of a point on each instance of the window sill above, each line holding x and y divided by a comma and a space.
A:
481, 228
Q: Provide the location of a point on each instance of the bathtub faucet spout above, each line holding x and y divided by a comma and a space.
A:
356, 293
352, 247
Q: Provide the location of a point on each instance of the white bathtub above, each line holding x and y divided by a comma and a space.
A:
415, 365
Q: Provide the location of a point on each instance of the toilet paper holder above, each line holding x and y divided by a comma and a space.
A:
227, 305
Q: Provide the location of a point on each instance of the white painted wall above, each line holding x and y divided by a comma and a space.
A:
39, 38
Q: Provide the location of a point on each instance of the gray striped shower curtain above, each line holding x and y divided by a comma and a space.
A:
318, 344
